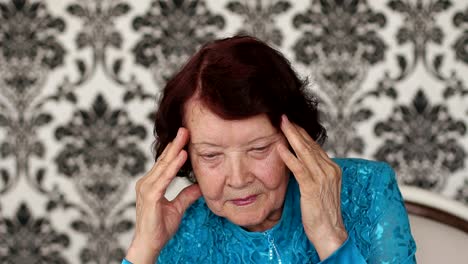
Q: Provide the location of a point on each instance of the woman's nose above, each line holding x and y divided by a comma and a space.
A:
239, 174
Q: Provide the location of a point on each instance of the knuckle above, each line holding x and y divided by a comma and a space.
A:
336, 169
138, 185
158, 159
162, 162
313, 147
301, 170
305, 148
142, 187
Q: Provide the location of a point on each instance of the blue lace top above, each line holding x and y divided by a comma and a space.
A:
372, 209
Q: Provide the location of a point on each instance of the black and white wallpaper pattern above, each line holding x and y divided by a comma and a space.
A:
80, 81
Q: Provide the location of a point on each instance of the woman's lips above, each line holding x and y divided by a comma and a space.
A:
245, 201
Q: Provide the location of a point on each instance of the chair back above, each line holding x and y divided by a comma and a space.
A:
439, 226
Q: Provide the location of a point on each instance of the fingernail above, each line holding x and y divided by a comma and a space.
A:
179, 132
285, 118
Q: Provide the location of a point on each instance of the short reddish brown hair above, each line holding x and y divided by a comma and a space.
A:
237, 78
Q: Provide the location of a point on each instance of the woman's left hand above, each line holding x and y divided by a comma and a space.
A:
319, 180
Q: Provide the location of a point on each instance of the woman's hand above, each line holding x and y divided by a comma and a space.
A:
319, 180
158, 219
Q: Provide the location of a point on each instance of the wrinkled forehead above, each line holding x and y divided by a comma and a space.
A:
206, 126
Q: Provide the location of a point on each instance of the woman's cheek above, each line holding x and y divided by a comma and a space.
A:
271, 170
210, 179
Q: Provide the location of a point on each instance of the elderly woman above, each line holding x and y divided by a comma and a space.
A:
239, 122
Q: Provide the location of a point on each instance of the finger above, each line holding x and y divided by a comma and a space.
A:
312, 143
172, 150
322, 160
291, 133
164, 153
161, 156
330, 168
304, 151
308, 152
162, 182
303, 133
187, 197
296, 166
152, 172
177, 144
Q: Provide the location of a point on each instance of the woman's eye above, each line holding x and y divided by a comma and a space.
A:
210, 156
260, 149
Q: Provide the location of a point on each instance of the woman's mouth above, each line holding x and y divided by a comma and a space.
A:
245, 201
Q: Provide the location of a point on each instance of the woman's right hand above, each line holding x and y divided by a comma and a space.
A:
157, 219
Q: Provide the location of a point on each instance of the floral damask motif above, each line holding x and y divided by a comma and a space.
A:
99, 33
100, 153
21, 142
98, 29
25, 239
420, 28
339, 43
29, 49
419, 25
343, 140
171, 31
103, 245
460, 20
259, 18
461, 44
421, 143
337, 27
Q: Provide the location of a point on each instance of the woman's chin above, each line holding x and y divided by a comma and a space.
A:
252, 222
245, 222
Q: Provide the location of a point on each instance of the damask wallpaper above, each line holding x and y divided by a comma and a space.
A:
80, 81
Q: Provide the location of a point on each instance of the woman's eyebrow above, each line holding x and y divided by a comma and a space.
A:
262, 138
204, 143
248, 143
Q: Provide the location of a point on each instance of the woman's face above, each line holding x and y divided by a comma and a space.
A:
239, 171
